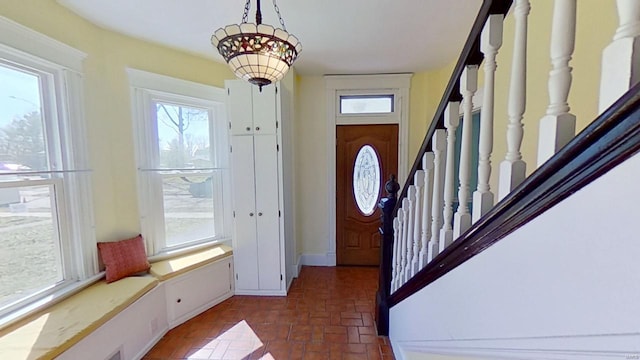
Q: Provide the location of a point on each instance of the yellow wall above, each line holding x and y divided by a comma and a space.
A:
311, 165
427, 88
109, 126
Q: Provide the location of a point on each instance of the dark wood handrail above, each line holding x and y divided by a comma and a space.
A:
608, 141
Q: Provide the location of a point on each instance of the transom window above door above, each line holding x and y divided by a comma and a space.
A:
366, 104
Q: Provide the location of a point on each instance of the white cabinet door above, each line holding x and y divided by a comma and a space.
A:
187, 294
264, 110
239, 107
268, 224
245, 243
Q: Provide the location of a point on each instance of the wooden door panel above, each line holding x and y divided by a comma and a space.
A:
357, 237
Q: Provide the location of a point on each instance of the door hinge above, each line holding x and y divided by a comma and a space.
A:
236, 276
228, 92
279, 213
229, 265
276, 89
230, 148
276, 124
234, 215
229, 124
280, 277
277, 147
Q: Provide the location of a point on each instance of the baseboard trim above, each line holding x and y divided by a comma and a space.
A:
261, 292
578, 347
298, 265
317, 260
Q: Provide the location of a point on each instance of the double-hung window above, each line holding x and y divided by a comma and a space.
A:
182, 157
47, 242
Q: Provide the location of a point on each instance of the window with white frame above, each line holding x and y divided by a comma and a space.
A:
182, 156
47, 242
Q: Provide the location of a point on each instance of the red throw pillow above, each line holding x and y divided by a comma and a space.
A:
123, 258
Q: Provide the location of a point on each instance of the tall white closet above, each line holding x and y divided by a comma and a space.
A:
260, 244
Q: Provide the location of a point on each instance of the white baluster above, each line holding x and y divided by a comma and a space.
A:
418, 181
396, 254
411, 195
427, 199
621, 58
403, 243
513, 168
451, 122
439, 147
490, 43
468, 87
558, 126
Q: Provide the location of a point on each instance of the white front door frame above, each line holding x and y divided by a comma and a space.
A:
336, 85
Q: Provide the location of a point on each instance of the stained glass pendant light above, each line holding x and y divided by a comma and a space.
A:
258, 53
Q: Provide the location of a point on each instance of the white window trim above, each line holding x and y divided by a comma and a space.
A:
22, 45
336, 85
145, 87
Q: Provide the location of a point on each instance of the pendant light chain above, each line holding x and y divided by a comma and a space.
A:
275, 6
245, 15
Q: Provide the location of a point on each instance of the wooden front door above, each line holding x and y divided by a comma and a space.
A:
366, 155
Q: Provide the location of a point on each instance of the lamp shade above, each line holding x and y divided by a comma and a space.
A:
260, 54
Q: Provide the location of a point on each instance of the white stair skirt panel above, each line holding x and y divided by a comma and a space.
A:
543, 292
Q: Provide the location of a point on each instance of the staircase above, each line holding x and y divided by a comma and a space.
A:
500, 262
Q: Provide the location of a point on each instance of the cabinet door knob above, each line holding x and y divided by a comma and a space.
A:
257, 128
179, 300
248, 128
250, 214
259, 214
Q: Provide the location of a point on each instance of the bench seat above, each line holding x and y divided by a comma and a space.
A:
57, 328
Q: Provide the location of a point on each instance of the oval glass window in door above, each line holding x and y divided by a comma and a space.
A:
366, 180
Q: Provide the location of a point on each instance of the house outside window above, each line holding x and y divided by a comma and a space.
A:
182, 158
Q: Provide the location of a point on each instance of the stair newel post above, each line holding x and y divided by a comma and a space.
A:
451, 122
558, 126
439, 145
389, 224
418, 181
427, 199
490, 43
468, 87
409, 218
513, 168
621, 58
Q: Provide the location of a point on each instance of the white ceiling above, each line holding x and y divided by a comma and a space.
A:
338, 36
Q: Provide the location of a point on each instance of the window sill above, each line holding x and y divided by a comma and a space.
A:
47, 301
167, 269
170, 254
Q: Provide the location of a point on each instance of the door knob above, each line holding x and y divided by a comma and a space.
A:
250, 214
259, 214
248, 128
257, 128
